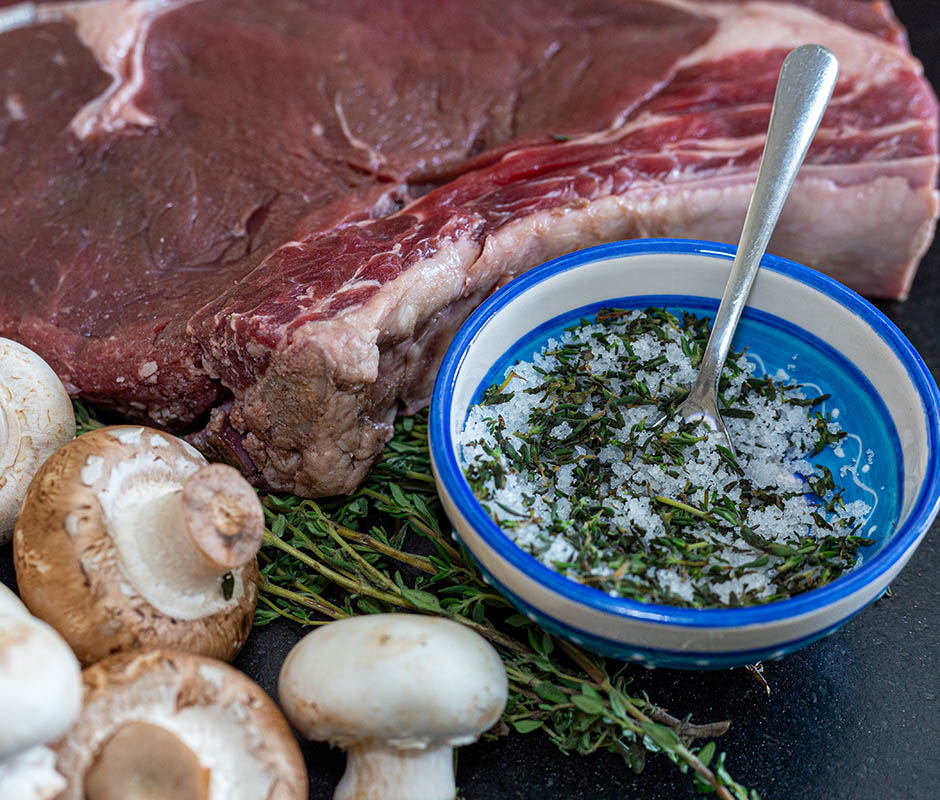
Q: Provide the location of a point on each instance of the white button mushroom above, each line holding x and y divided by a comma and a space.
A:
36, 417
397, 692
163, 724
128, 539
40, 697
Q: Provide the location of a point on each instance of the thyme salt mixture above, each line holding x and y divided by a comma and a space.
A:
560, 457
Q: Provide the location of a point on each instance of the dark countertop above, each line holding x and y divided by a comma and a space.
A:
855, 716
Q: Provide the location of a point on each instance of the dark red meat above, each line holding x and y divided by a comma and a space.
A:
276, 214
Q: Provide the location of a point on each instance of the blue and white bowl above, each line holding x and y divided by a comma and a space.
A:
801, 324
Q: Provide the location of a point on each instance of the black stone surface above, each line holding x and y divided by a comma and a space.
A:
855, 716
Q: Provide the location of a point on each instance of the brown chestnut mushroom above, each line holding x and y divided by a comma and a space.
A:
166, 724
129, 539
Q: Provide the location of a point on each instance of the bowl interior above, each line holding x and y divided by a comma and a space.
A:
867, 464
798, 325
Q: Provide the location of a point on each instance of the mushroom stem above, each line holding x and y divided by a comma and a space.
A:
383, 772
177, 543
169, 548
222, 516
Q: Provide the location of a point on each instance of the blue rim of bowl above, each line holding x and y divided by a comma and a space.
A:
918, 521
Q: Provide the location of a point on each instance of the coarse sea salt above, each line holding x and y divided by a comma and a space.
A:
560, 458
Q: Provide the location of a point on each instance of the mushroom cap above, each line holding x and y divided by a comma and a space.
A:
76, 572
40, 680
198, 705
407, 680
36, 418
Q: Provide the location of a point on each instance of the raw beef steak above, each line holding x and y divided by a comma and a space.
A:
264, 221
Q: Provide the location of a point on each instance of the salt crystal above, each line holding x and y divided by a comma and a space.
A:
771, 451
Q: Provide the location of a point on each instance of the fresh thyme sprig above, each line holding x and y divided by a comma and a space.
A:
84, 418
383, 548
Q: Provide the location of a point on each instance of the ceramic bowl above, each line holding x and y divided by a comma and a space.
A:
801, 324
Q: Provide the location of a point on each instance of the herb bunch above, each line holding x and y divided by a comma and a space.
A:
383, 548
558, 476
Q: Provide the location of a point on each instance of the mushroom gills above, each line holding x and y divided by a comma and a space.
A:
141, 761
167, 725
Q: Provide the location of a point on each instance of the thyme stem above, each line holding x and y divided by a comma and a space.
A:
417, 522
300, 599
340, 579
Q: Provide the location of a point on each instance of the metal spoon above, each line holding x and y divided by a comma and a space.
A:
805, 85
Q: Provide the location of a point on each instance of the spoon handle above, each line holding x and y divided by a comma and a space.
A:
806, 82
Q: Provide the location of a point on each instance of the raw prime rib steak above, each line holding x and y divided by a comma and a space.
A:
261, 222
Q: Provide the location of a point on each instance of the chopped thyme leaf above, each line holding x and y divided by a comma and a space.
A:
667, 515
